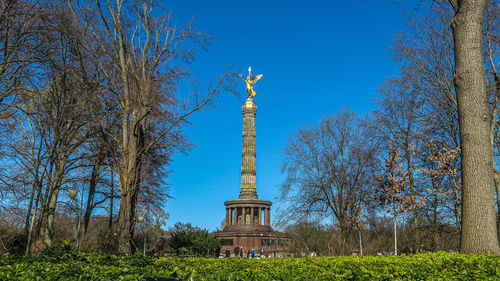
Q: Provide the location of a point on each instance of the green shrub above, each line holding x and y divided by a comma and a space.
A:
431, 266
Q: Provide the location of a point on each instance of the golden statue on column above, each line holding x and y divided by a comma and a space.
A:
250, 82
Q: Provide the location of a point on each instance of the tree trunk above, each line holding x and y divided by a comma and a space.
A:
48, 230
395, 236
96, 169
30, 206
111, 199
435, 223
479, 233
55, 186
33, 217
360, 242
344, 233
131, 180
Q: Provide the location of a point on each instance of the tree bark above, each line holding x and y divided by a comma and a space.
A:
48, 226
132, 163
479, 233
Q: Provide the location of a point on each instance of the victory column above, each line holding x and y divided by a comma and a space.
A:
248, 219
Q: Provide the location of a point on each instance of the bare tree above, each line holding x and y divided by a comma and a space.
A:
52, 115
140, 52
399, 120
327, 169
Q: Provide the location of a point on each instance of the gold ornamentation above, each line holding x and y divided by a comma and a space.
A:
250, 81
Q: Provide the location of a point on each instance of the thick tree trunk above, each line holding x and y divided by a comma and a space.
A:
126, 221
344, 233
55, 186
131, 181
124, 226
49, 225
479, 234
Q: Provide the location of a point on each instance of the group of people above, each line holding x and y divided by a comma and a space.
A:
242, 252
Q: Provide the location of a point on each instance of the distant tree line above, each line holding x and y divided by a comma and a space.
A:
89, 102
418, 173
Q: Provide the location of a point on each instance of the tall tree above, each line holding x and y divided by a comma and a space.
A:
425, 55
57, 107
399, 117
327, 170
479, 233
143, 55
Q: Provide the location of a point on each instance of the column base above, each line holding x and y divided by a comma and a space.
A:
248, 194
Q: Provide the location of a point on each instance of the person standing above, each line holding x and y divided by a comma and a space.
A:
253, 253
267, 253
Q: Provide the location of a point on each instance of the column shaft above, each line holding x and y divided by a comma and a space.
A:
248, 157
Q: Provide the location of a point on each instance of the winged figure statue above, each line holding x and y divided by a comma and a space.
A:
250, 81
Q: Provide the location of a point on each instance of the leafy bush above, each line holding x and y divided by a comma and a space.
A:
187, 240
432, 266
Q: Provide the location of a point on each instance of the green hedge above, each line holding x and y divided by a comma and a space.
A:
431, 266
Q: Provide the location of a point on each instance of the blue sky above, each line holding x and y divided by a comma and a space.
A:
316, 57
